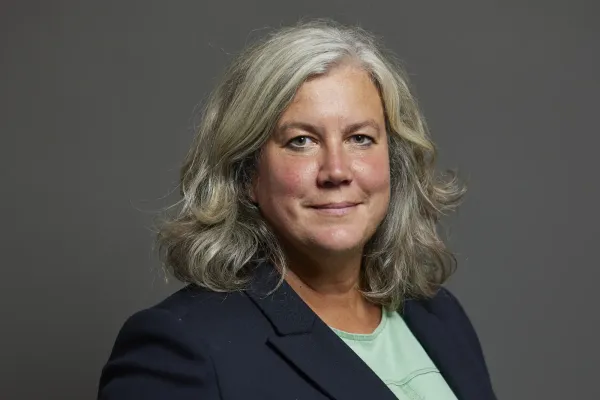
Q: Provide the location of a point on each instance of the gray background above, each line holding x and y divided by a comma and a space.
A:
96, 103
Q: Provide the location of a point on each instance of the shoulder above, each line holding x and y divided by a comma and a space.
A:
193, 301
208, 314
167, 350
443, 304
173, 317
446, 308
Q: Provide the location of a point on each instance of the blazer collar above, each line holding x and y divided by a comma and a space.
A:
448, 349
308, 343
283, 307
305, 341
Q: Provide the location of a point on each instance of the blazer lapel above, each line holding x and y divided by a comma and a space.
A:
309, 344
449, 352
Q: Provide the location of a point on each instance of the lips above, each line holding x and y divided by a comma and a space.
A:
334, 206
335, 209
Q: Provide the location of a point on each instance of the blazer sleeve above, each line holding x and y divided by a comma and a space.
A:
154, 357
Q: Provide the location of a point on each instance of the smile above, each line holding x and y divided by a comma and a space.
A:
335, 208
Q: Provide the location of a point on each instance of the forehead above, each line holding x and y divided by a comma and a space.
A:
343, 91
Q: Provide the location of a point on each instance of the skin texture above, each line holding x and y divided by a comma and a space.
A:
323, 185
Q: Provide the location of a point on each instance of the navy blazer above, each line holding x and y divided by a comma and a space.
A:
202, 345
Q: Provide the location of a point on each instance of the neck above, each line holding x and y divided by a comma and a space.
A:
336, 288
331, 277
330, 287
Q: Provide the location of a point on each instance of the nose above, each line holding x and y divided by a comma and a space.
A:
335, 166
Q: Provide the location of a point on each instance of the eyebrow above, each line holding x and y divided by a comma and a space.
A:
369, 123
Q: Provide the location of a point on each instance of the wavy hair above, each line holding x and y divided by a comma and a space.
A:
218, 233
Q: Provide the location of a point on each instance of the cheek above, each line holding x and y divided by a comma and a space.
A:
374, 172
289, 178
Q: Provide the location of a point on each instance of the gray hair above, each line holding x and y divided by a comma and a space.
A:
219, 233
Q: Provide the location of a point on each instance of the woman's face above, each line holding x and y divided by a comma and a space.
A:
323, 179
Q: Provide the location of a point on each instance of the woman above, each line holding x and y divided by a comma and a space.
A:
307, 236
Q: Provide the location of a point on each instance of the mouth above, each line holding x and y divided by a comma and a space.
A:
341, 208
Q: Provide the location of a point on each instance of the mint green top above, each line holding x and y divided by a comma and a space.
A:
397, 357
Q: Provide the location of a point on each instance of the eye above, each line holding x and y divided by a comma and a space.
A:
300, 142
362, 140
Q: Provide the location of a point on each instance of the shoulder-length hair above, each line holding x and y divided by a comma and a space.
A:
219, 233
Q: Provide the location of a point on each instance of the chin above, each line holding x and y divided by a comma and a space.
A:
336, 242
